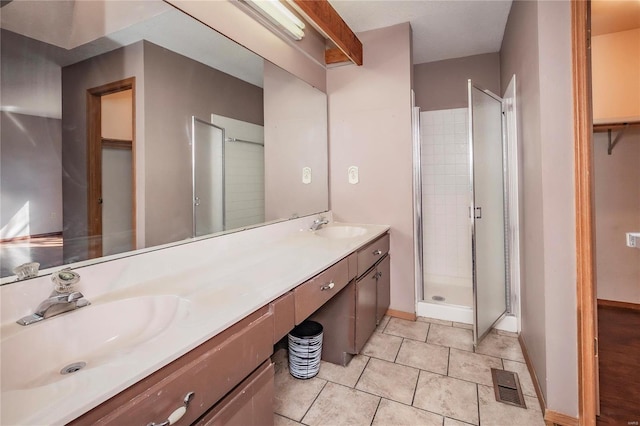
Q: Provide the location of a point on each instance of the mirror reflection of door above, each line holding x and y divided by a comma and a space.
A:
112, 168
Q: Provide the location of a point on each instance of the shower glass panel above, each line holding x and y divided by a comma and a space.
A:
207, 156
445, 196
488, 210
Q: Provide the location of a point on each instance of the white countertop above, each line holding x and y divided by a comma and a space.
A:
236, 280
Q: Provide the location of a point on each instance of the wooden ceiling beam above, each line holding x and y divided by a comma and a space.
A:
328, 21
335, 56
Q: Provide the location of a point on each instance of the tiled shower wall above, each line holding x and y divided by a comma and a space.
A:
446, 196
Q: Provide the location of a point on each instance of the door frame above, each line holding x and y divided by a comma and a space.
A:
94, 160
585, 279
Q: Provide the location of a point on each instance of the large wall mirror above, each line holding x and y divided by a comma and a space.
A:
128, 125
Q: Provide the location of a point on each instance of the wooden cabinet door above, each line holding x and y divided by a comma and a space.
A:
366, 295
384, 288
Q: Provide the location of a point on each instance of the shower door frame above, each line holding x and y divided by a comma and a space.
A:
512, 203
505, 213
195, 119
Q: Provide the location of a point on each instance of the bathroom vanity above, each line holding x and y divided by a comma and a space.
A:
229, 379
208, 362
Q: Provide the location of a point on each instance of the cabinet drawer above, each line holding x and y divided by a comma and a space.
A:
251, 403
283, 316
369, 255
314, 293
210, 371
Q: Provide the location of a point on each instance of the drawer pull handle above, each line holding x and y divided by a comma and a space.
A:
327, 286
177, 413
377, 252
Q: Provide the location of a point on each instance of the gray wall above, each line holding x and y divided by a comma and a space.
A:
443, 84
30, 175
175, 89
370, 127
617, 211
76, 79
295, 137
30, 142
537, 48
31, 82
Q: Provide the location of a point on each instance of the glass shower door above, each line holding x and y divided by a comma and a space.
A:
487, 210
207, 156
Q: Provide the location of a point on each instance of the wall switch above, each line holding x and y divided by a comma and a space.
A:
306, 175
633, 239
353, 175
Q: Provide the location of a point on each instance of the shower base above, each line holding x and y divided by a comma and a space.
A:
453, 294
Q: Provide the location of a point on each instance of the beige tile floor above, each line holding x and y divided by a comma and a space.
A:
410, 373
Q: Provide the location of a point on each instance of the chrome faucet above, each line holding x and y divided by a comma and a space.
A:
317, 224
62, 299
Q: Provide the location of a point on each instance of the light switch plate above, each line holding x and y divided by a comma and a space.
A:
353, 175
306, 175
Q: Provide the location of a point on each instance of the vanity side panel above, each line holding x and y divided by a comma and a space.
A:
283, 309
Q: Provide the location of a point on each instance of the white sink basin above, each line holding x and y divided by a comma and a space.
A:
340, 231
95, 335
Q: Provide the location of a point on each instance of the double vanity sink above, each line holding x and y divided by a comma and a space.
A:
58, 369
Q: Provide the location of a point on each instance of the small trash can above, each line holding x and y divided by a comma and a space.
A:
305, 349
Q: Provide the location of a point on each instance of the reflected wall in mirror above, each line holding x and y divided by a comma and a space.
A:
99, 101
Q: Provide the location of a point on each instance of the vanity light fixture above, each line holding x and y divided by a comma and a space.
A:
279, 15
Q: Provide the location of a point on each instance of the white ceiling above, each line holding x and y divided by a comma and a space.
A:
442, 29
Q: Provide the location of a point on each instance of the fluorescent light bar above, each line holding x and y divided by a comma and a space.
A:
280, 16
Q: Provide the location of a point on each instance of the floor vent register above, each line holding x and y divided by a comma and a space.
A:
507, 387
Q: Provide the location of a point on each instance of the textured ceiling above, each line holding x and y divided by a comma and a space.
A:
442, 29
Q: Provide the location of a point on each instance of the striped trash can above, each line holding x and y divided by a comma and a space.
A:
305, 349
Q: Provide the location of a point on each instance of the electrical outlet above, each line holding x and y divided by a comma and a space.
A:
353, 175
306, 175
632, 239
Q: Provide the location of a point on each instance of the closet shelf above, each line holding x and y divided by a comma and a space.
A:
618, 127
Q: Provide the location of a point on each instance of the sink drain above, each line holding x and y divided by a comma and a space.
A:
72, 368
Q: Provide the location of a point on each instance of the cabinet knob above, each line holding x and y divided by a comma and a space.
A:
177, 413
377, 252
327, 286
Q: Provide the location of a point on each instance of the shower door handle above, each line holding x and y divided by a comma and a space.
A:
478, 212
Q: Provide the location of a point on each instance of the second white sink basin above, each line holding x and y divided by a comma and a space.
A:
93, 335
341, 231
